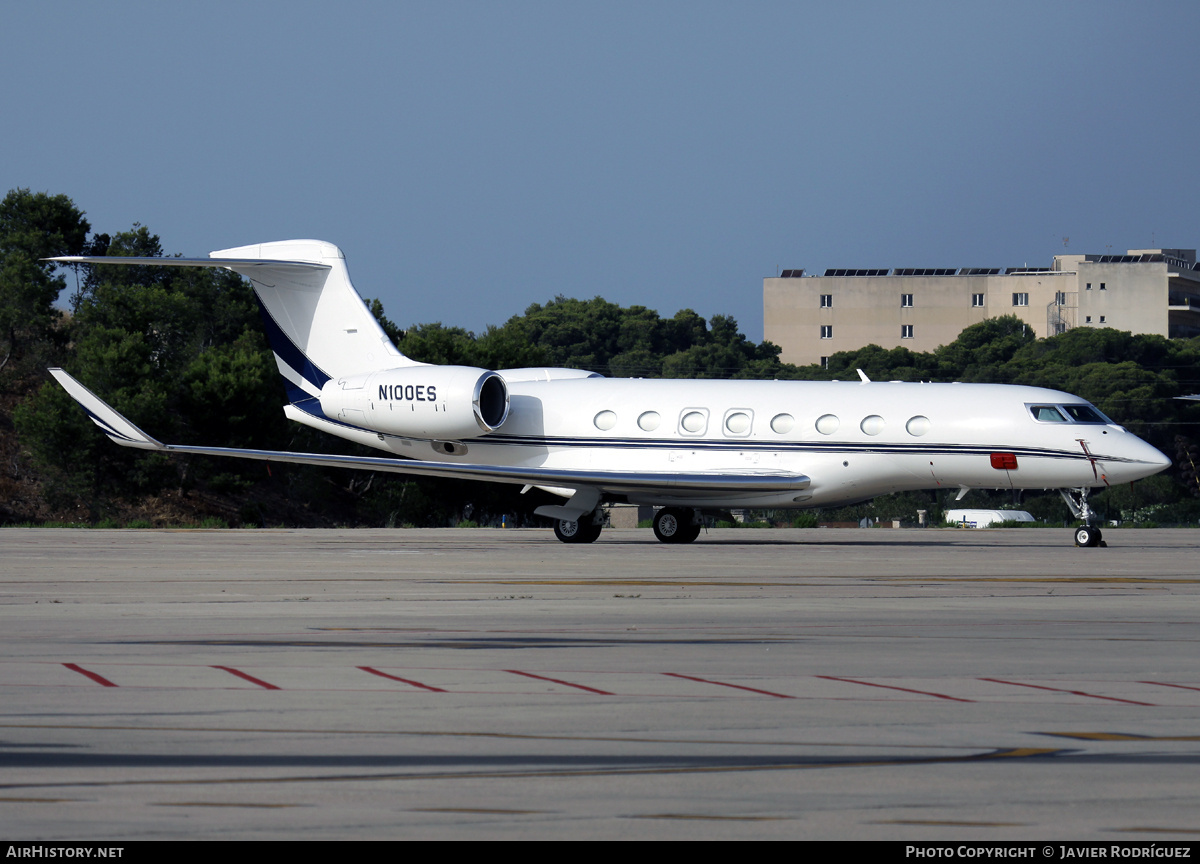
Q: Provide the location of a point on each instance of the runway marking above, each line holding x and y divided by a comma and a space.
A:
949, 823
1008, 753
1165, 684
1074, 692
401, 680
894, 687
726, 684
704, 817
99, 679
246, 677
224, 804
1119, 736
1154, 830
38, 800
481, 810
557, 681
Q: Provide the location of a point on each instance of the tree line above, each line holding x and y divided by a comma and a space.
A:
181, 352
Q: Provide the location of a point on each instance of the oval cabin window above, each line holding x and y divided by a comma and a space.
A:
605, 420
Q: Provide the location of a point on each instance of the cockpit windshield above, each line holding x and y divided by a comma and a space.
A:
1078, 412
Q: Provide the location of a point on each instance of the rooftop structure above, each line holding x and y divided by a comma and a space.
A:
1142, 291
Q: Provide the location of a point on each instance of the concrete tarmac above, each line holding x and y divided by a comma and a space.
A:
490, 684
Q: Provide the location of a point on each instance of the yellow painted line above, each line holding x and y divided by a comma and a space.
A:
483, 810
542, 774
704, 817
224, 804
1154, 830
1114, 580
1120, 736
516, 736
950, 823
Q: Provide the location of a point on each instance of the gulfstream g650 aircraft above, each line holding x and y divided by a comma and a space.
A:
685, 446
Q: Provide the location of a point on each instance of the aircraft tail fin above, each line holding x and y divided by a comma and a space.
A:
318, 325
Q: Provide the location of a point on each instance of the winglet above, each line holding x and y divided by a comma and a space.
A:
105, 416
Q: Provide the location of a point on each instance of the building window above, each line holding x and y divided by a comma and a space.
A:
906, 331
1087, 320
1060, 298
826, 301
826, 331
1021, 299
905, 301
1101, 319
976, 299
1102, 288
825, 362
1089, 286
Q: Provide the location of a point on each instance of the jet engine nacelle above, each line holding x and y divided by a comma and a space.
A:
437, 402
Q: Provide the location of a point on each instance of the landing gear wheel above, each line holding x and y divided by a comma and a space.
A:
674, 525
583, 531
1088, 536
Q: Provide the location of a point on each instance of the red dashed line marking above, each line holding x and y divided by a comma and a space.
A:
894, 687
557, 681
1165, 684
246, 677
99, 679
734, 686
1073, 692
401, 680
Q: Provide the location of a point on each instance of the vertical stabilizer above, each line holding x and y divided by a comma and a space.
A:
317, 324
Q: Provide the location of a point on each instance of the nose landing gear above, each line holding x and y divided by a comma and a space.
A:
1087, 535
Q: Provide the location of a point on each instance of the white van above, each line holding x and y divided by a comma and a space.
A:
984, 518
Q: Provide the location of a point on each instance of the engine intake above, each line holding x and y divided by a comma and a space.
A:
420, 401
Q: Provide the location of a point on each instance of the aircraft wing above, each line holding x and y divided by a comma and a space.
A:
127, 434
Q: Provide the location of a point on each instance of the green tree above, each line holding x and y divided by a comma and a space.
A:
33, 226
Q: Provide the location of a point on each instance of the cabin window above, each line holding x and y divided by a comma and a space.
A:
649, 421
737, 422
872, 425
917, 425
781, 424
605, 420
693, 421
827, 424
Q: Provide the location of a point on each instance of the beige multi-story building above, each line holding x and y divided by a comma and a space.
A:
1143, 291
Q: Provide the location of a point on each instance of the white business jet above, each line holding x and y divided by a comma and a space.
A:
688, 447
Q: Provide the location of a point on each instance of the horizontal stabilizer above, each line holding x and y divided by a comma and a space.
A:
105, 416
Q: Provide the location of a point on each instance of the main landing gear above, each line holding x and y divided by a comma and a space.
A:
1087, 535
677, 525
586, 530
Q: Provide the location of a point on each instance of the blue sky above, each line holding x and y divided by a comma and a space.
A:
472, 158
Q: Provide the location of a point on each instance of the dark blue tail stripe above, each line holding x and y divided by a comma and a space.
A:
285, 349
